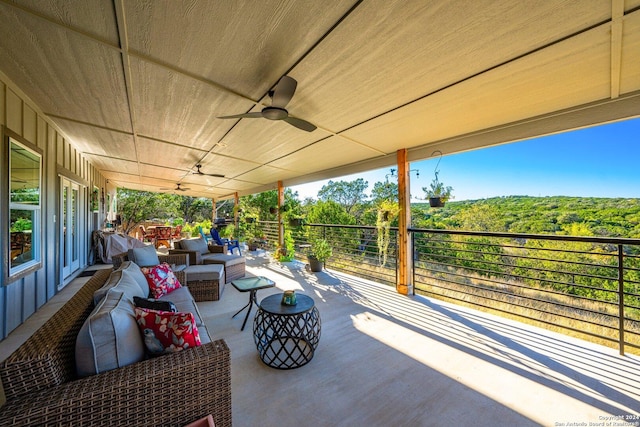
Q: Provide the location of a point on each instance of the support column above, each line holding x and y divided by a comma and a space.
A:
280, 220
236, 205
213, 210
405, 259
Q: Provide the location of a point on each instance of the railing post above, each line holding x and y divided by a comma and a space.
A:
621, 298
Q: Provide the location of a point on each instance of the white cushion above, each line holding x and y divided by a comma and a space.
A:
110, 337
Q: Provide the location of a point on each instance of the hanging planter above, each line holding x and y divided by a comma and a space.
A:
273, 210
296, 222
437, 192
436, 202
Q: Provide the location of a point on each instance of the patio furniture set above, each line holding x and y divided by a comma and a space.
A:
87, 364
90, 363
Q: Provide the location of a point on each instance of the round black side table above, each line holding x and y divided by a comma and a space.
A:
286, 335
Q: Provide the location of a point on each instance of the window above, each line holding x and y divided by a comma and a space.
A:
25, 167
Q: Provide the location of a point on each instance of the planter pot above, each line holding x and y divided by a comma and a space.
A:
273, 211
250, 220
315, 264
253, 246
296, 222
436, 202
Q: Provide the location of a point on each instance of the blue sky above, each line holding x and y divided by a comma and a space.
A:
602, 161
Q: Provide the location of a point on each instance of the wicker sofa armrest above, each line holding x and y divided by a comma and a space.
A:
177, 259
173, 389
195, 258
118, 259
217, 249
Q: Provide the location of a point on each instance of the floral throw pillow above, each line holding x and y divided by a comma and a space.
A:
161, 279
167, 332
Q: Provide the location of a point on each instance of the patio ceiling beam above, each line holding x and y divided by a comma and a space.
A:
617, 19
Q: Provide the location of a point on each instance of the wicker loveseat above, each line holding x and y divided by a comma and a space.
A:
42, 388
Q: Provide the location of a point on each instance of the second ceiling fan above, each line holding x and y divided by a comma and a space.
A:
280, 97
199, 172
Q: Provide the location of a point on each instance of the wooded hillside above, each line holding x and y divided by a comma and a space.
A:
577, 216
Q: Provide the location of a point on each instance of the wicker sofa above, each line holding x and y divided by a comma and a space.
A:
206, 282
42, 387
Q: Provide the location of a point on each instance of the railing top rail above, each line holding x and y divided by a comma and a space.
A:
583, 239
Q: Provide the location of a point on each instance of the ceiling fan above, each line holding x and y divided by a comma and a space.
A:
280, 97
178, 188
199, 172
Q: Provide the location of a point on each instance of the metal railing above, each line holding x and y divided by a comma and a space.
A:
585, 286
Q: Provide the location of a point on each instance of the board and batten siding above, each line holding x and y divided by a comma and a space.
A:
21, 298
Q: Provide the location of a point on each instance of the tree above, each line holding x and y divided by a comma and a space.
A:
349, 194
481, 217
195, 209
328, 212
384, 191
136, 206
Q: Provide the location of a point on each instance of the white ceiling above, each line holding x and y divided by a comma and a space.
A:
137, 86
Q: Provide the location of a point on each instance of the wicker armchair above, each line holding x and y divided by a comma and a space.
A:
42, 389
195, 258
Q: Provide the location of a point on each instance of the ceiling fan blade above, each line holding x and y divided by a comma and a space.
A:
301, 124
256, 115
199, 172
283, 92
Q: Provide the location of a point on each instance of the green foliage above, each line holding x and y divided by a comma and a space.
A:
21, 224
136, 206
320, 249
328, 212
537, 215
387, 212
194, 209
481, 217
286, 253
438, 189
349, 194
382, 191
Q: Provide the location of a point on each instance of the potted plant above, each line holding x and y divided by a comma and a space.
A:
319, 252
437, 192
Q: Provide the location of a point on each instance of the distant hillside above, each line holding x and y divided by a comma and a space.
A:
584, 216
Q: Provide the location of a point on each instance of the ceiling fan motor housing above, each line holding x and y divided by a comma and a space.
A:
275, 113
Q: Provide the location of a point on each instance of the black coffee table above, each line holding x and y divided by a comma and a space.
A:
286, 335
251, 285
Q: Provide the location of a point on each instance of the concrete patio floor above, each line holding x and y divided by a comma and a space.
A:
387, 359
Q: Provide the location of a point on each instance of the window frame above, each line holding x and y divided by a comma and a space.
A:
13, 273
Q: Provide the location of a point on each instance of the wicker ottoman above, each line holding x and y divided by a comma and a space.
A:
234, 265
206, 281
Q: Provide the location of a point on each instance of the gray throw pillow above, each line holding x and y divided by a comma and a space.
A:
198, 245
110, 337
144, 257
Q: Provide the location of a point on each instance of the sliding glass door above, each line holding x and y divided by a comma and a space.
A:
69, 227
